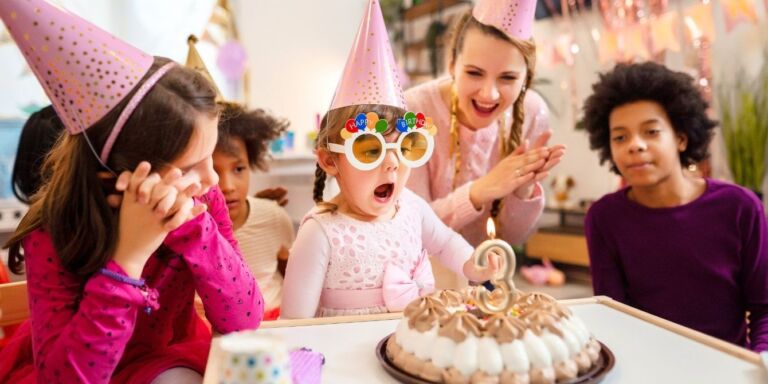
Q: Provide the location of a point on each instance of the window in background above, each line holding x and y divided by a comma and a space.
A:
10, 129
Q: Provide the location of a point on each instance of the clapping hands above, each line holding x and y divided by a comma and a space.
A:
518, 172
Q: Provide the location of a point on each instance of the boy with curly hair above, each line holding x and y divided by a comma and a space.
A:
263, 229
691, 250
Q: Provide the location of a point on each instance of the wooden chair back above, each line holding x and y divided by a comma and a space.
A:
14, 307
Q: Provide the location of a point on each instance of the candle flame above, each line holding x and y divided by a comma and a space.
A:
490, 228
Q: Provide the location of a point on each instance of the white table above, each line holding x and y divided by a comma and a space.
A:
647, 349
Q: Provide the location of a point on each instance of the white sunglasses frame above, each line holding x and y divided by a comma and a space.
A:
348, 151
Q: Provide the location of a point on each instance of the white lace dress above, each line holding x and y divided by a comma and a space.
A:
337, 263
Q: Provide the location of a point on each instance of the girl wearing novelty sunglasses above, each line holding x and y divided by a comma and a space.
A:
365, 251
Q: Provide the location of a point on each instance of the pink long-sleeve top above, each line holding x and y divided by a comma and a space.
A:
479, 154
338, 265
96, 330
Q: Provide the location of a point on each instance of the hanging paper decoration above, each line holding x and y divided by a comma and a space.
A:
737, 12
704, 61
664, 35
635, 43
700, 32
656, 8
693, 32
698, 20
609, 47
562, 49
545, 54
618, 14
633, 24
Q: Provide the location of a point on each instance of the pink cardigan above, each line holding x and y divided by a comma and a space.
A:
479, 153
96, 330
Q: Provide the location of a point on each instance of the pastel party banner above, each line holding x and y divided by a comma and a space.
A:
562, 49
608, 47
699, 23
664, 35
635, 45
737, 12
545, 54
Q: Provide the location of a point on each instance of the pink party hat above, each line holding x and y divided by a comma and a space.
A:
371, 74
513, 17
84, 70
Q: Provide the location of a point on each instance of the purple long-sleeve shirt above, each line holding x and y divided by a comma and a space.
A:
702, 264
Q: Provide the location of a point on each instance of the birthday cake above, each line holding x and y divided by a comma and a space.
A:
445, 337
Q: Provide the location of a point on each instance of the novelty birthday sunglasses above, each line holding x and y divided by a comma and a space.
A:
365, 146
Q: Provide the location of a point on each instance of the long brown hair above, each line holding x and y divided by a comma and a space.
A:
71, 205
330, 132
458, 32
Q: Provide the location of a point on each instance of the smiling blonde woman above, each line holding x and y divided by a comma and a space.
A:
492, 151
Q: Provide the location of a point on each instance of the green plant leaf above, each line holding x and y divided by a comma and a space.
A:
744, 123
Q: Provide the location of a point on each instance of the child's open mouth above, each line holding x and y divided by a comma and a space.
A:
384, 192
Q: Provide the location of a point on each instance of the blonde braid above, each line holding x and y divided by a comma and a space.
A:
455, 144
514, 138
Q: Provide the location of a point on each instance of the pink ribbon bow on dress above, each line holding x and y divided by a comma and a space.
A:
401, 287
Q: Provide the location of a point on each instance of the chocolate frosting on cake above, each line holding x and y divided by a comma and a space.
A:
455, 316
425, 312
460, 325
505, 328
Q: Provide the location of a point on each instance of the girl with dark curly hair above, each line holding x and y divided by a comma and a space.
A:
262, 227
691, 250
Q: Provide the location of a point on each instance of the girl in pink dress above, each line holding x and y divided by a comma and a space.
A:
111, 290
365, 251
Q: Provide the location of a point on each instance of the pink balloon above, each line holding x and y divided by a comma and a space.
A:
232, 60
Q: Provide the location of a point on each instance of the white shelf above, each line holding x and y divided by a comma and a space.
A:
293, 156
11, 212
